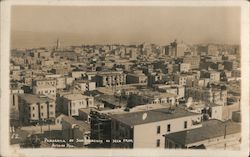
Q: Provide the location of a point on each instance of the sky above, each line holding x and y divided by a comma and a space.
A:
34, 26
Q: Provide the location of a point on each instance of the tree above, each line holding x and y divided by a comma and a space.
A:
133, 100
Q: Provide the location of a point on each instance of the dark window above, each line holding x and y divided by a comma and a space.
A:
33, 115
13, 100
158, 129
185, 124
170, 144
169, 128
158, 143
41, 107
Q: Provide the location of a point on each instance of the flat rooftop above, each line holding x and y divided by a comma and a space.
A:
150, 116
155, 94
31, 98
210, 129
75, 96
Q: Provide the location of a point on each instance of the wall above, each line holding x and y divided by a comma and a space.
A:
145, 135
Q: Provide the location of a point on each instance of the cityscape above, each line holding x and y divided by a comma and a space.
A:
175, 95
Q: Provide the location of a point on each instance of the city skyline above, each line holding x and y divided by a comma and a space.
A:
125, 25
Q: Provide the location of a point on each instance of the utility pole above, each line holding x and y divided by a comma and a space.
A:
225, 134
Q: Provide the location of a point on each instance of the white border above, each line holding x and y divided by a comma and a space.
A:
6, 150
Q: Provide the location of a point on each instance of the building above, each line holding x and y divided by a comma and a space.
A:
45, 82
176, 49
14, 92
36, 109
71, 103
100, 129
208, 110
173, 88
216, 95
49, 91
129, 128
230, 65
214, 76
212, 50
213, 134
75, 130
185, 67
85, 85
110, 79
136, 77
183, 79
158, 97
78, 74
14, 106
194, 61
46, 86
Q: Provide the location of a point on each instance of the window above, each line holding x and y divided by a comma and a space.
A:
158, 143
41, 106
42, 114
33, 108
169, 128
50, 105
170, 144
185, 124
158, 129
33, 115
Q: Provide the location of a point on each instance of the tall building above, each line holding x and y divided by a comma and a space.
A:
194, 61
35, 109
57, 44
176, 49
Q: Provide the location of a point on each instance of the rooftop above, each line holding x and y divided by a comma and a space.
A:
210, 129
150, 116
75, 96
80, 123
155, 94
31, 98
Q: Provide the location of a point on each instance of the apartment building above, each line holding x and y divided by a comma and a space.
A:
110, 79
71, 103
35, 109
46, 86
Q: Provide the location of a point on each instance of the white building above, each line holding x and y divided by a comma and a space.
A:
71, 103
185, 67
146, 128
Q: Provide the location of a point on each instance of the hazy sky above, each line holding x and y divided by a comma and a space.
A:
42, 25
